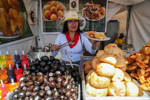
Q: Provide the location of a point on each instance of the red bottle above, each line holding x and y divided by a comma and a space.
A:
24, 60
18, 72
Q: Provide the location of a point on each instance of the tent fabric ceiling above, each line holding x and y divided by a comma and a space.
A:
139, 31
127, 2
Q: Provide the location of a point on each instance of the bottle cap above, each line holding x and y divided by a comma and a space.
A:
1, 66
9, 66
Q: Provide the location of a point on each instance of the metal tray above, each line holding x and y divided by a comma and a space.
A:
87, 97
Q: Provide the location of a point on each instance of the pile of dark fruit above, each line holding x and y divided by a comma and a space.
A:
48, 79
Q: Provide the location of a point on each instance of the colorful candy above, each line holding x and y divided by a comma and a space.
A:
3, 75
18, 72
9, 60
4, 90
3, 60
24, 61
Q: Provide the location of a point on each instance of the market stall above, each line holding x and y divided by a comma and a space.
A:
29, 71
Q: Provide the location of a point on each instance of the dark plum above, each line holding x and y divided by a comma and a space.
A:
52, 58
36, 62
44, 58
42, 63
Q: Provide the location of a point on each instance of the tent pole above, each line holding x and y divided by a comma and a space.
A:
128, 22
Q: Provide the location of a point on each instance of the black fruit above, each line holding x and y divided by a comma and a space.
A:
46, 68
36, 62
49, 63
54, 67
33, 68
62, 68
44, 58
42, 63
52, 58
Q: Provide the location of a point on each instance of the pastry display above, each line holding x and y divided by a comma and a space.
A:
97, 35
48, 79
138, 66
53, 10
10, 18
106, 74
92, 11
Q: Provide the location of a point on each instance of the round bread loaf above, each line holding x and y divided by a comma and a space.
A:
95, 92
117, 89
119, 75
87, 66
99, 81
104, 69
132, 89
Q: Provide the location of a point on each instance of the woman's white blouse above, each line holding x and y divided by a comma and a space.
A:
76, 52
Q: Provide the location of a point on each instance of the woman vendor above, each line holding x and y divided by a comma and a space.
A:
71, 32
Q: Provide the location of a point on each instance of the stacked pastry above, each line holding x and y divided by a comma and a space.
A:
138, 66
106, 74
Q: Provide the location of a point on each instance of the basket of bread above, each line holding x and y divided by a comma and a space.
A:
139, 67
105, 75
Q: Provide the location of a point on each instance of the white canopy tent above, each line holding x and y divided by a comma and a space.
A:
138, 32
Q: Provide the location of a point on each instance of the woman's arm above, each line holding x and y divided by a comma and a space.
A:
91, 47
55, 47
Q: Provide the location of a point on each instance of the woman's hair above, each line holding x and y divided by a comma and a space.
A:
65, 28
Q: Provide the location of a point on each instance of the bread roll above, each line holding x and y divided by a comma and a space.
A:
87, 66
132, 89
99, 53
146, 50
114, 50
104, 69
95, 92
148, 44
99, 35
119, 75
121, 63
99, 81
108, 58
95, 62
140, 92
127, 77
117, 89
88, 76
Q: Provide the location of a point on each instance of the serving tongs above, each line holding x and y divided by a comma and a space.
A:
66, 44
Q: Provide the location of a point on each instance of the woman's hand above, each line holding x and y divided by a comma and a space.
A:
95, 44
55, 47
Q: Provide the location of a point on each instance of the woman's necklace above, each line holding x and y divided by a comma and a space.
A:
72, 35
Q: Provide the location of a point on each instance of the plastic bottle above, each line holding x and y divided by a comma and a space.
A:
24, 60
18, 72
10, 73
17, 58
9, 60
2, 60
